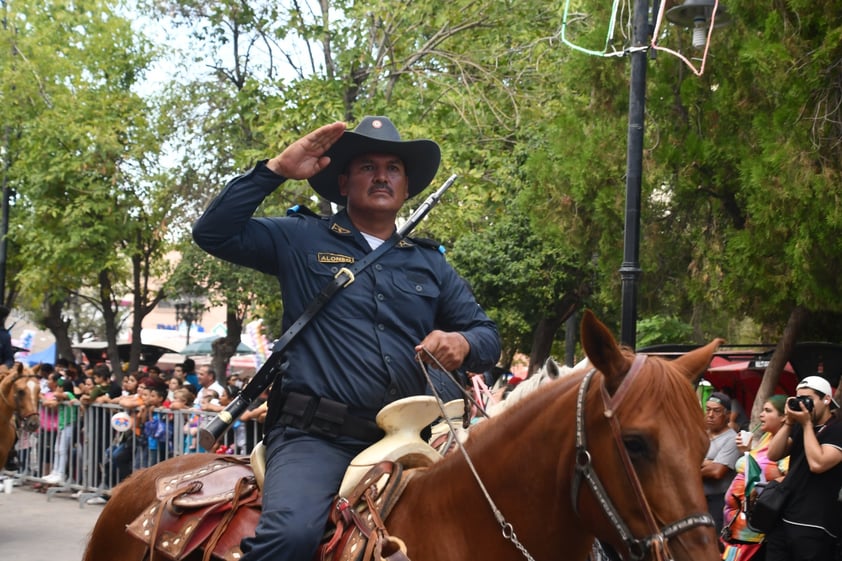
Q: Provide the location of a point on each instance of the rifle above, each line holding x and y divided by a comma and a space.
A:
271, 369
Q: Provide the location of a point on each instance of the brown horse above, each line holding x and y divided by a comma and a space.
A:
612, 453
19, 394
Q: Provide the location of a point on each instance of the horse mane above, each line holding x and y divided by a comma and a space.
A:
661, 383
7, 376
549, 372
516, 414
16, 369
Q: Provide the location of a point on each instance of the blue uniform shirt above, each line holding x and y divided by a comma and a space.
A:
359, 349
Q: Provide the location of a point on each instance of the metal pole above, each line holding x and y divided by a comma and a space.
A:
4, 223
189, 321
4, 226
630, 270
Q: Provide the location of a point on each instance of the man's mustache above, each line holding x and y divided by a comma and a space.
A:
381, 187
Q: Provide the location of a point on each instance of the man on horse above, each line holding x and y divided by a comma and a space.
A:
358, 353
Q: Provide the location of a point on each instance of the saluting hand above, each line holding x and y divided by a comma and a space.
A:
305, 157
449, 348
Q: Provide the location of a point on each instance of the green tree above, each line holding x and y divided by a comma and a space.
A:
751, 160
80, 141
355, 64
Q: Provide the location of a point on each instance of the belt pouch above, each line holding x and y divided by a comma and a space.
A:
298, 410
329, 418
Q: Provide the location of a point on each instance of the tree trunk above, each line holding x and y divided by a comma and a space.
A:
542, 341
138, 313
571, 337
548, 326
60, 329
783, 350
226, 347
109, 317
142, 305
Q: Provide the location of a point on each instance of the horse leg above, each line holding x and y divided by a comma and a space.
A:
7, 440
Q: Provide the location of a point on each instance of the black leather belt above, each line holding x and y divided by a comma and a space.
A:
325, 418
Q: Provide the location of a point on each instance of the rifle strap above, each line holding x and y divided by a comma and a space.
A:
344, 277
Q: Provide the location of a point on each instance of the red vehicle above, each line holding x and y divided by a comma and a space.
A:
738, 371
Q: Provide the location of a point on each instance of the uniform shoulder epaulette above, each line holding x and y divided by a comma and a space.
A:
303, 210
429, 243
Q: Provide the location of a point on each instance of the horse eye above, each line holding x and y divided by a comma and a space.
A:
636, 446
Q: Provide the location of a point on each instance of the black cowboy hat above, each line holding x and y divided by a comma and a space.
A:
377, 135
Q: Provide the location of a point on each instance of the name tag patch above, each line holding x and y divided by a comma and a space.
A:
334, 258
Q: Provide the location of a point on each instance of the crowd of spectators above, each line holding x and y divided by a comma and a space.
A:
98, 430
798, 443
166, 409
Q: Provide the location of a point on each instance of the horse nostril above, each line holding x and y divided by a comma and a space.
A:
33, 423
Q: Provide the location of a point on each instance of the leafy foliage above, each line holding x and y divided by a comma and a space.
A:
740, 214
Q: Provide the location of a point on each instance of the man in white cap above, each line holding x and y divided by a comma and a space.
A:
811, 522
358, 354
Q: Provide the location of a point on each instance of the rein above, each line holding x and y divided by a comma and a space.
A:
506, 527
656, 541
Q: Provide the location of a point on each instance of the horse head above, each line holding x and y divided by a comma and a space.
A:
642, 413
20, 393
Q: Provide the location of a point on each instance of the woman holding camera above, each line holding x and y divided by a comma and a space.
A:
742, 543
811, 521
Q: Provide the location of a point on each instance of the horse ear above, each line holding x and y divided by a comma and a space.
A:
696, 361
603, 351
551, 368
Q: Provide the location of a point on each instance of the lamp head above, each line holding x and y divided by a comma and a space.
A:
688, 13
696, 14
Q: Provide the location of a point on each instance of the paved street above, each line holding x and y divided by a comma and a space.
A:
33, 528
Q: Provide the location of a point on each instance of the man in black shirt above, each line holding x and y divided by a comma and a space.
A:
811, 521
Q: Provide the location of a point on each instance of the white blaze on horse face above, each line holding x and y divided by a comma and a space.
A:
34, 388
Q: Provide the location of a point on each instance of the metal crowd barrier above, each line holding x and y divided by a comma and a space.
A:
94, 457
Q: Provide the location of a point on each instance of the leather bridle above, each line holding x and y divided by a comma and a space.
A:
656, 541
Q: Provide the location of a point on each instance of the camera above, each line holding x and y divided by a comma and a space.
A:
793, 402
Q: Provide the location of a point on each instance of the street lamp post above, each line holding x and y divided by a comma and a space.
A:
694, 14
630, 269
190, 312
4, 243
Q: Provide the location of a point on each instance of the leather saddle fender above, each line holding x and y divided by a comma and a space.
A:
213, 507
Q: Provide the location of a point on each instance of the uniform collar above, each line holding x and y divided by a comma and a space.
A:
340, 224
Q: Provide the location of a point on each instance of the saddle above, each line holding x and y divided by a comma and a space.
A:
213, 507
